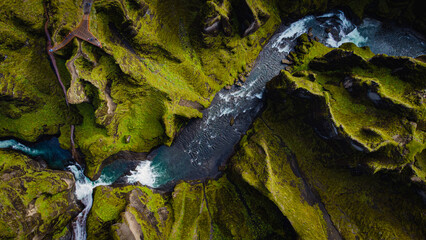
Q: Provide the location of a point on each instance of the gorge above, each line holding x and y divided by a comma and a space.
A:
249, 146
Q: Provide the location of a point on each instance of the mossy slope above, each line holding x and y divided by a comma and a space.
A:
31, 101
377, 103
153, 61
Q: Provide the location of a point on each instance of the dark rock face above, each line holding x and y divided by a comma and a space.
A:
337, 59
160, 38
250, 16
36, 203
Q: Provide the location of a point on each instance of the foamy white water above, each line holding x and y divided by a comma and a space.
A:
143, 174
84, 192
294, 31
198, 150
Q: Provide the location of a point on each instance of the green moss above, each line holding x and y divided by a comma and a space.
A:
145, 74
284, 157
108, 203
347, 97
61, 234
364, 52
36, 202
263, 163
154, 55
230, 211
31, 100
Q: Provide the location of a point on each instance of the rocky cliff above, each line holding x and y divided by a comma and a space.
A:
333, 119
161, 63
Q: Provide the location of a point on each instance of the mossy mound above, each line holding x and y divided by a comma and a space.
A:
375, 102
298, 153
35, 202
218, 209
153, 73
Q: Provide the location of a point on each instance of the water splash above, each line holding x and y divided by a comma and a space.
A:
84, 192
55, 156
294, 31
205, 143
144, 174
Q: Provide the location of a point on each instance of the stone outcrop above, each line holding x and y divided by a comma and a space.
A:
155, 54
151, 62
250, 14
330, 122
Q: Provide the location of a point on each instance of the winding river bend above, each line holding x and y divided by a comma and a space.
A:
205, 144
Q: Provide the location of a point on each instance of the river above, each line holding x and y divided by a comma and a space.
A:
206, 143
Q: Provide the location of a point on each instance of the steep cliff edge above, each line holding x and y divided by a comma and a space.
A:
312, 153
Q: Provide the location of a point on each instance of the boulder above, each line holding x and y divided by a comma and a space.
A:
286, 61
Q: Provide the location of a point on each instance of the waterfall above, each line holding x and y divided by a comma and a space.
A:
84, 192
55, 156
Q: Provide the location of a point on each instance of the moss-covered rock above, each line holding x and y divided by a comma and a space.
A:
374, 102
36, 203
226, 208
304, 150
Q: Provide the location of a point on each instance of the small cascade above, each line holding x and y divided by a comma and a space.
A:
144, 175
84, 192
58, 158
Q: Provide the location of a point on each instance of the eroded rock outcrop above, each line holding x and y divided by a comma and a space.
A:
373, 102
223, 208
155, 55
162, 62
36, 203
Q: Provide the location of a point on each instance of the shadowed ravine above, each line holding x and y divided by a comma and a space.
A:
205, 144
